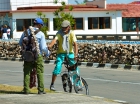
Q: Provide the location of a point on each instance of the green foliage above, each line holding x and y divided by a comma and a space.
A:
61, 9
44, 28
63, 3
39, 14
70, 8
55, 1
85, 1
61, 15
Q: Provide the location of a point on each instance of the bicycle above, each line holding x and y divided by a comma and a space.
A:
79, 84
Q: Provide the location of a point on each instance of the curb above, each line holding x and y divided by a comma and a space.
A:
88, 64
11, 59
106, 65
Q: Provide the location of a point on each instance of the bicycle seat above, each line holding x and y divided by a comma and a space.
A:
69, 67
72, 68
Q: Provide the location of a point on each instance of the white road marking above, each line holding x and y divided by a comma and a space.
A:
48, 74
106, 80
120, 101
103, 80
22, 72
12, 71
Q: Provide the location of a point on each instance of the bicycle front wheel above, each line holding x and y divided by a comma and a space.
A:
80, 86
67, 85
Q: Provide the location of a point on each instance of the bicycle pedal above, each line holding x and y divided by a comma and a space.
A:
80, 88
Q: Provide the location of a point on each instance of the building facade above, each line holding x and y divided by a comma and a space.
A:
87, 22
7, 6
94, 18
130, 16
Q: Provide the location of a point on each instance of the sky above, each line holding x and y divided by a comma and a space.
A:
108, 1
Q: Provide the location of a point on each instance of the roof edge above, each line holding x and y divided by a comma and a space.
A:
56, 7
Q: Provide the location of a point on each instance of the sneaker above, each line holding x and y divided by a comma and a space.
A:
25, 93
52, 87
41, 92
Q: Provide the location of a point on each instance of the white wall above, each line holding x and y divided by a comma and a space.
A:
32, 15
116, 22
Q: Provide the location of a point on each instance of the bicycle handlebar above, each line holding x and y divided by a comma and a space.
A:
70, 68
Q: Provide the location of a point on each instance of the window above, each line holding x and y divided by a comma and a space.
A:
4, 22
78, 24
107, 22
129, 24
139, 23
55, 24
22, 23
99, 22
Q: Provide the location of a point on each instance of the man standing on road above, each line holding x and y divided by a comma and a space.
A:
66, 40
38, 63
4, 31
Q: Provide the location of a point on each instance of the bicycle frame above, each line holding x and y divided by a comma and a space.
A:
71, 74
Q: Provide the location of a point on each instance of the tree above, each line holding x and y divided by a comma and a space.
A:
85, 1
44, 28
60, 15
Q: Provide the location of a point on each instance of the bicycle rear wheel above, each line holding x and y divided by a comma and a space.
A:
80, 86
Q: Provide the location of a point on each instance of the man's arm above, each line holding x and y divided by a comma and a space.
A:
21, 39
75, 49
43, 45
53, 42
75, 45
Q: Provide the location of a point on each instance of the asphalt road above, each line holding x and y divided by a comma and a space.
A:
109, 83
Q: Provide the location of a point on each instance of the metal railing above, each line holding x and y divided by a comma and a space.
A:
114, 37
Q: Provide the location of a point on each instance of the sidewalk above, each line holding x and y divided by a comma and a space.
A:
54, 98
